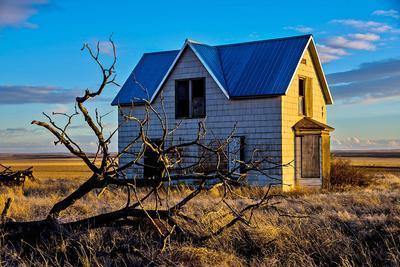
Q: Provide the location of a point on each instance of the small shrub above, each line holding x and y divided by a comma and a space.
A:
343, 173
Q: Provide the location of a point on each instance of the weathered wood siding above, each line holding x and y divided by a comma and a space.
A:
290, 116
259, 120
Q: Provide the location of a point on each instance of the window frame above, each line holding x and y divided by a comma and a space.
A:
302, 107
190, 93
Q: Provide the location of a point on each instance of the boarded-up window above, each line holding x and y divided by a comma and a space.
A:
310, 156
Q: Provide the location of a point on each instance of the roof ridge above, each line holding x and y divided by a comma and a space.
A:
265, 40
233, 44
161, 52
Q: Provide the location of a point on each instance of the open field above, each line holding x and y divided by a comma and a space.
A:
380, 161
57, 166
48, 166
347, 227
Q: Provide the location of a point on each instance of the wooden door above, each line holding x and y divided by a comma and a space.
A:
152, 167
310, 156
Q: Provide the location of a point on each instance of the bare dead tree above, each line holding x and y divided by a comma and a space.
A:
207, 170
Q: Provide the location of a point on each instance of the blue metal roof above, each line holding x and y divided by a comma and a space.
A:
252, 69
210, 56
145, 78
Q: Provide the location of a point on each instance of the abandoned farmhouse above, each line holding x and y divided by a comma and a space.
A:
275, 91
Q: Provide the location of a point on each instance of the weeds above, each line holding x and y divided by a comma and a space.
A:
344, 174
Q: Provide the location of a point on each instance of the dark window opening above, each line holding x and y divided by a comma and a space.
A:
198, 98
302, 102
182, 99
190, 99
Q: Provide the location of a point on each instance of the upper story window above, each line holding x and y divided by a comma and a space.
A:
190, 98
302, 101
305, 97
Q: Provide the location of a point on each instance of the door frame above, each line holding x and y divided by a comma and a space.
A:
319, 157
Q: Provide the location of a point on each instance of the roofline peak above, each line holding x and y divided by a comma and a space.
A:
188, 40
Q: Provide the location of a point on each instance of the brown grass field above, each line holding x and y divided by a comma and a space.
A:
349, 226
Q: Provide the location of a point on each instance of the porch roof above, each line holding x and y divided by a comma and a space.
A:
311, 124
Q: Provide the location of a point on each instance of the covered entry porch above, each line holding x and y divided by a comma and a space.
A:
312, 153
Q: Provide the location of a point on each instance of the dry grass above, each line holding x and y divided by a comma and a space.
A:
354, 227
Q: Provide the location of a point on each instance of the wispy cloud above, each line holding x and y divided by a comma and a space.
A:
365, 36
359, 143
21, 94
105, 47
328, 53
347, 43
370, 83
371, 26
387, 13
38, 140
299, 28
336, 47
17, 132
16, 13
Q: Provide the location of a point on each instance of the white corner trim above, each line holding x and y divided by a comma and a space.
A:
311, 41
322, 70
209, 71
188, 43
298, 64
169, 71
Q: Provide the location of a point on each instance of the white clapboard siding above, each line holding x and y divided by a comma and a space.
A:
258, 120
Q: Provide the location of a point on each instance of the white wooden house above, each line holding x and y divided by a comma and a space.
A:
275, 90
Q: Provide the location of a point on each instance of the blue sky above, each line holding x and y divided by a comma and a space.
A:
42, 67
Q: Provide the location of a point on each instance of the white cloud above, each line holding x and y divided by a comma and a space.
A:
328, 53
60, 108
22, 94
325, 58
387, 13
372, 26
299, 28
343, 42
336, 47
356, 143
365, 36
331, 50
106, 47
17, 12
